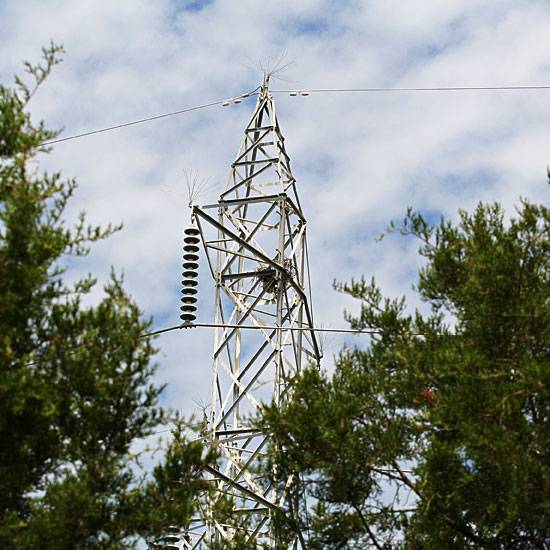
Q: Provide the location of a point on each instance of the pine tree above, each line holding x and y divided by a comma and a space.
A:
436, 434
75, 381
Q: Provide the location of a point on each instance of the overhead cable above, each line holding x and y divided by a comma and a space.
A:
223, 102
262, 327
226, 102
434, 89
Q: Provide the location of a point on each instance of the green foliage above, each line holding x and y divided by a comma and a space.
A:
436, 435
75, 380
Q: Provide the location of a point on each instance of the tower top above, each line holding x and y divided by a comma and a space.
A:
265, 85
262, 166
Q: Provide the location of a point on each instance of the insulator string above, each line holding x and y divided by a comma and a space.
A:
190, 266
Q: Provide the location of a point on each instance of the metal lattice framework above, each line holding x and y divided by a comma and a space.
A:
255, 243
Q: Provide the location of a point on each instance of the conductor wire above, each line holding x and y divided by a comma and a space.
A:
148, 119
434, 89
297, 92
236, 326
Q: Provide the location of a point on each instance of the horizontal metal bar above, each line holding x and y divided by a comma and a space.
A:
271, 160
242, 275
258, 129
231, 202
238, 431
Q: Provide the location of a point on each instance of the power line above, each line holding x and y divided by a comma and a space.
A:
237, 99
223, 102
434, 89
262, 327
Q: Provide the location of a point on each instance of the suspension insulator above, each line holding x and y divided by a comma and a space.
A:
191, 231
191, 241
189, 290
191, 257
191, 235
190, 265
193, 248
189, 274
171, 539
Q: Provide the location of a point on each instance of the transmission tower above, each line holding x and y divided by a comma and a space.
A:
255, 243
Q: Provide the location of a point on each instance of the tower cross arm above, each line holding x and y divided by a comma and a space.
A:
197, 211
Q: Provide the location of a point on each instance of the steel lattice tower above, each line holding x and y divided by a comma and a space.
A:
255, 244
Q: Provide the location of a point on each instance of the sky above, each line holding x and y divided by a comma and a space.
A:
360, 159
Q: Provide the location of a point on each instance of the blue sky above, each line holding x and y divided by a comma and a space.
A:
359, 159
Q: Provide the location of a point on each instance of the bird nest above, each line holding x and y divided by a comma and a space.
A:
267, 276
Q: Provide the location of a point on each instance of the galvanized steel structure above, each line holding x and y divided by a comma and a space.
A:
255, 244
